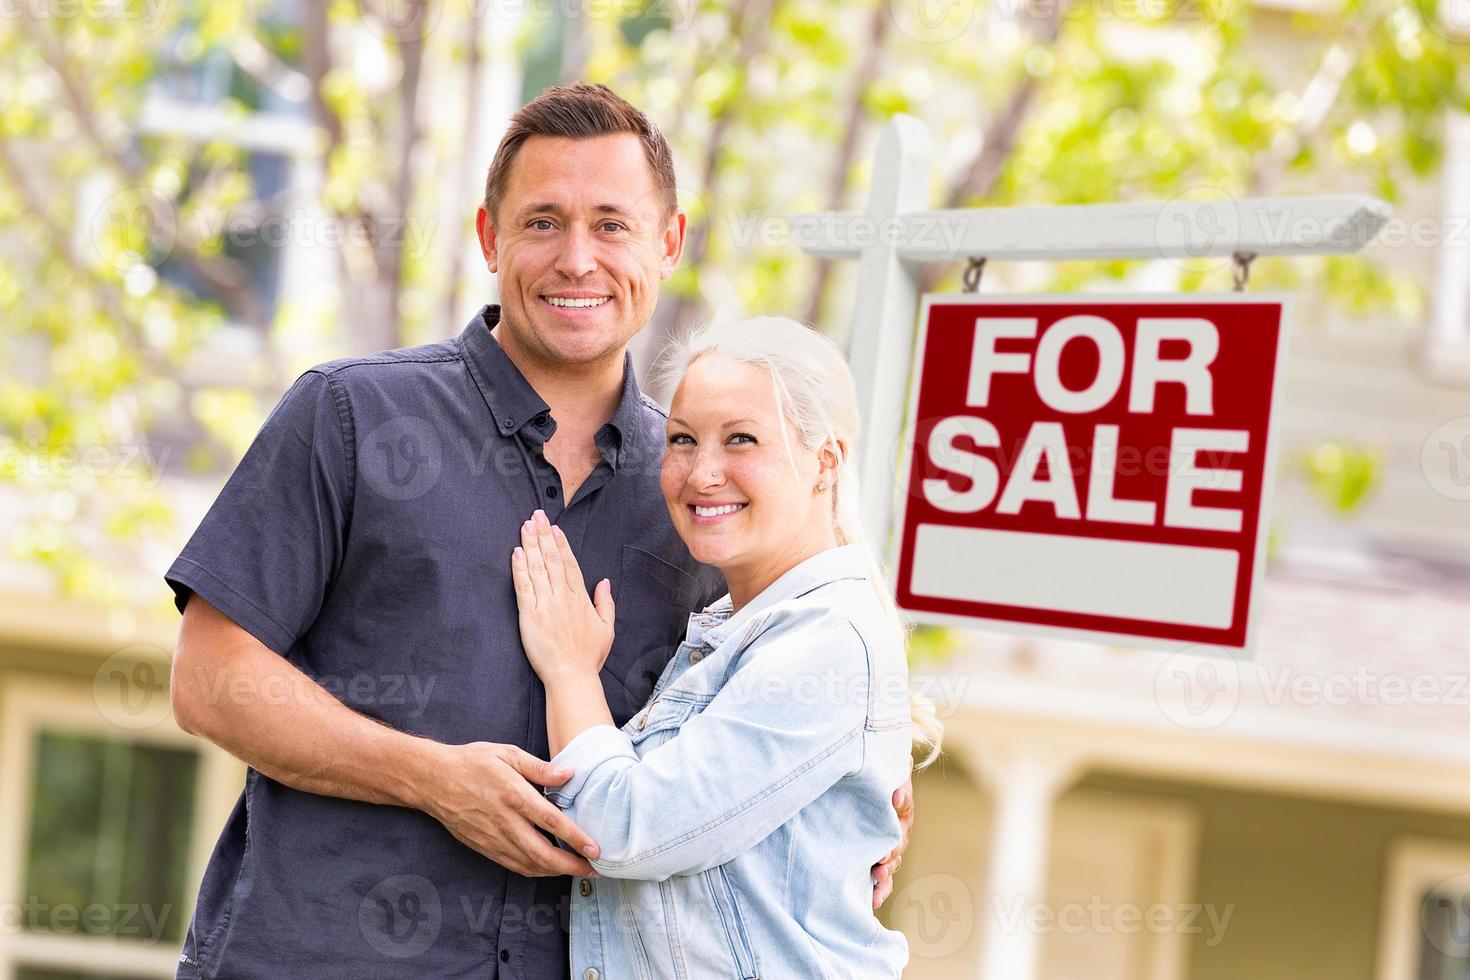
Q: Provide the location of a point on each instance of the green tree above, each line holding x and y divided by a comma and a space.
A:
772, 106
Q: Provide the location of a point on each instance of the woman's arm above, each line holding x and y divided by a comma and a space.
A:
783, 730
565, 637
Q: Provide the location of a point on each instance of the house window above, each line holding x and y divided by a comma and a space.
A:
109, 835
1424, 933
1449, 329
99, 849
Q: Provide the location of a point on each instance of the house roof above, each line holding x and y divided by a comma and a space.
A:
1350, 649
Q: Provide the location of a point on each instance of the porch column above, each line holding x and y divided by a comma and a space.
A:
1024, 783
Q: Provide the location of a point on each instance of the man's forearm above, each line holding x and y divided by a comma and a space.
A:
262, 709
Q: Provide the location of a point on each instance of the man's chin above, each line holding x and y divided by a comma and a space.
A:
579, 343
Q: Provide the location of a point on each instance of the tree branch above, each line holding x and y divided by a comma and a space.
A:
986, 166
223, 274
842, 164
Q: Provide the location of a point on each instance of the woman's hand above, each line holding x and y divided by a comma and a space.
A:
563, 632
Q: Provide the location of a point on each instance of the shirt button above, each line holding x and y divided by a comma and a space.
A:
589, 974
505, 956
585, 888
551, 491
541, 418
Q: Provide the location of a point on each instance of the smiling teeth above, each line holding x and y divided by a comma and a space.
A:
576, 304
716, 511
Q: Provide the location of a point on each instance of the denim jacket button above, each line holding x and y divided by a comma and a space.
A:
696, 657
589, 974
585, 888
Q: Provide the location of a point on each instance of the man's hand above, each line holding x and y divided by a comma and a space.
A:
884, 870
485, 798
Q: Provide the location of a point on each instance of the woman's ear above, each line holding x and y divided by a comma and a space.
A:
829, 458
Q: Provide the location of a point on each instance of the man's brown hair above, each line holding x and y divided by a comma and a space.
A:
580, 111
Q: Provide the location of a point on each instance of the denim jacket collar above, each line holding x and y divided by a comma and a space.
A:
718, 621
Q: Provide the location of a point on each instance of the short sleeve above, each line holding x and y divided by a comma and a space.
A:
270, 546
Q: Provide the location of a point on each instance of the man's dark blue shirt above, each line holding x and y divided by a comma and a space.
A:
366, 537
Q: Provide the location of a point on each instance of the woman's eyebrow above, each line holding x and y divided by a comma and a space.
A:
678, 421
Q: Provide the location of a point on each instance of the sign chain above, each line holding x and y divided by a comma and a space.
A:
973, 271
1240, 269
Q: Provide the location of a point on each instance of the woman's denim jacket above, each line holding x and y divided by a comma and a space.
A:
740, 812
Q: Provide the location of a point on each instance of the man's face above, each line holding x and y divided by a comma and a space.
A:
580, 246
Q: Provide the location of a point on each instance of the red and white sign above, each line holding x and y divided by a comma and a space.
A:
1092, 466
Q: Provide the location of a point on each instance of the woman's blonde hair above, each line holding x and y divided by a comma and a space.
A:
816, 393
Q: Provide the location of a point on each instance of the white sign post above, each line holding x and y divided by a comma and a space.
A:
893, 238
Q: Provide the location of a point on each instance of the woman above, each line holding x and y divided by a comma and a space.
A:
738, 814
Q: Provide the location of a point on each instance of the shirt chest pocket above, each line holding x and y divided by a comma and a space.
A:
659, 721
654, 600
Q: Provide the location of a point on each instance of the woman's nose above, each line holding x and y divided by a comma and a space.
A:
705, 473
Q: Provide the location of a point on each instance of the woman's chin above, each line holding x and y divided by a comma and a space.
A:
708, 550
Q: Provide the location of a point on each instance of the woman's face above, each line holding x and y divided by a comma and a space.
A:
727, 477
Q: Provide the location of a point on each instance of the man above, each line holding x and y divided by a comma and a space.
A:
350, 627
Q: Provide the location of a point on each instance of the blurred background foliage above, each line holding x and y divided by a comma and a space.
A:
121, 174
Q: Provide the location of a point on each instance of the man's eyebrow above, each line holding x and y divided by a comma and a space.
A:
549, 207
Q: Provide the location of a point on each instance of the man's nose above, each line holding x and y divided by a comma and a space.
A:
576, 258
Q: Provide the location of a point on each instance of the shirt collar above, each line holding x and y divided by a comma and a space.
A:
514, 404
718, 621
